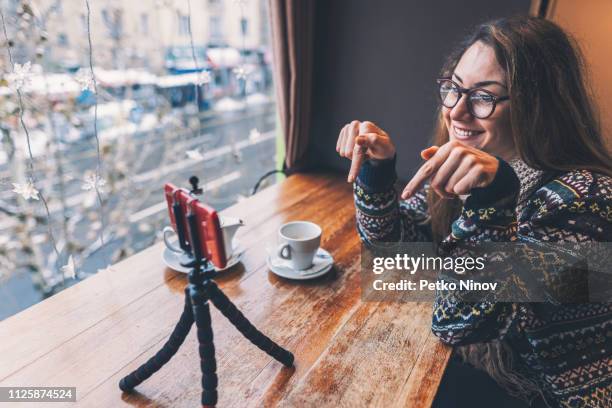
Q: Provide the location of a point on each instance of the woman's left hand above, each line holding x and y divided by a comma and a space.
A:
454, 169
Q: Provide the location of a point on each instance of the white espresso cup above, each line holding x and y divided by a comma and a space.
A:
298, 243
171, 244
169, 235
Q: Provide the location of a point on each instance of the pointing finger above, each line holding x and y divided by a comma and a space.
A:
429, 152
341, 138
351, 133
359, 154
426, 170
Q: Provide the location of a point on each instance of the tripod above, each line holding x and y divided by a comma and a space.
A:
199, 291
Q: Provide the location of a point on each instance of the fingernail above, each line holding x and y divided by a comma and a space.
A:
350, 179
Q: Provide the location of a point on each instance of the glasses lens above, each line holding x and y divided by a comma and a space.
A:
482, 104
449, 94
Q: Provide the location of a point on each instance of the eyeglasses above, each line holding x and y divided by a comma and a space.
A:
480, 102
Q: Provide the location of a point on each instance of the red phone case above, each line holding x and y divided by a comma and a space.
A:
174, 193
211, 236
209, 227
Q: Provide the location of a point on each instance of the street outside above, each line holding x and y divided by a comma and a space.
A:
101, 104
229, 153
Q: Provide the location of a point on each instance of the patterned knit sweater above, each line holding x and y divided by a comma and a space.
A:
565, 348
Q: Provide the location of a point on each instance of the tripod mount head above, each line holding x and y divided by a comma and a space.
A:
195, 189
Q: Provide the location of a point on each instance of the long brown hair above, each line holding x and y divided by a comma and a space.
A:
554, 127
553, 120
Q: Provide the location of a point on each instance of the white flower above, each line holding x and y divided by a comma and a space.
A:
22, 75
26, 190
85, 80
241, 72
194, 154
93, 182
254, 134
69, 270
204, 78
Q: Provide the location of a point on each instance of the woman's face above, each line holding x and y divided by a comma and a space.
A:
478, 67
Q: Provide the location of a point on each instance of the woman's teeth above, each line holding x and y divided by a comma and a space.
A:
466, 132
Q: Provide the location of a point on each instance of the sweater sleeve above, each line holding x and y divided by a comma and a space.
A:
554, 213
381, 216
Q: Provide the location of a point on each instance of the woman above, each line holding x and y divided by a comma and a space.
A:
517, 156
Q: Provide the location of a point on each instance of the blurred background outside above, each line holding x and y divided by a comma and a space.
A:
179, 88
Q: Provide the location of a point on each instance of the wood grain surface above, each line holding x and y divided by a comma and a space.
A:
348, 353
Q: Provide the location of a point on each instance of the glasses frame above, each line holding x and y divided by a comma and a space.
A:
468, 92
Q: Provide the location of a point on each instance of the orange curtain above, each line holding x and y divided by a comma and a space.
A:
292, 27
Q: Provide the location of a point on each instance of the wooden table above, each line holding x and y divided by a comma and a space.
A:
348, 352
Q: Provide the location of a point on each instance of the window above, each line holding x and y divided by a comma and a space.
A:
113, 21
144, 23
62, 40
244, 26
161, 117
216, 33
183, 24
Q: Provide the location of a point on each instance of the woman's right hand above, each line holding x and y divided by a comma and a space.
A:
359, 141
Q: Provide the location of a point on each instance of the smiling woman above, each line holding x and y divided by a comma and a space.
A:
549, 121
517, 157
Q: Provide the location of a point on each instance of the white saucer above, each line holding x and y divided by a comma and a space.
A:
322, 263
173, 261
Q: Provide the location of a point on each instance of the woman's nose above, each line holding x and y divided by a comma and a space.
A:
461, 111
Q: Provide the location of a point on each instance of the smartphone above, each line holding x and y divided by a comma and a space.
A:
209, 231
179, 196
210, 237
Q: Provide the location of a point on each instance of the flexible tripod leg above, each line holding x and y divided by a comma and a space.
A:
235, 316
168, 350
208, 363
